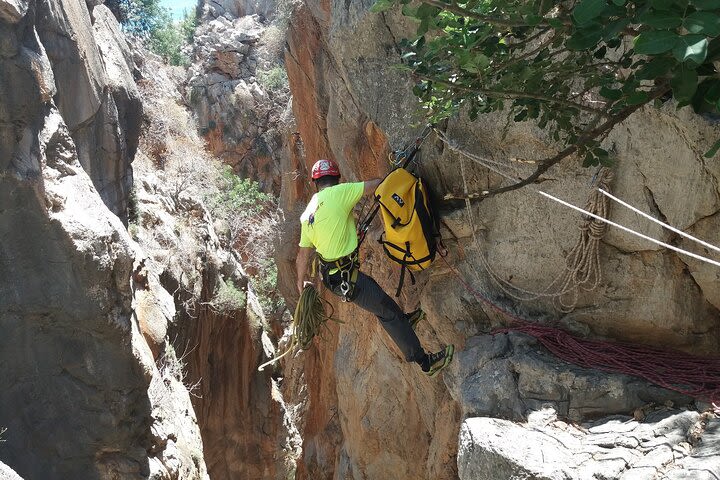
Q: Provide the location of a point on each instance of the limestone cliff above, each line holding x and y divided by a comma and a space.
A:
83, 396
369, 415
238, 88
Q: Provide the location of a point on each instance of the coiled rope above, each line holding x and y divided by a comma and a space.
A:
582, 270
697, 377
309, 318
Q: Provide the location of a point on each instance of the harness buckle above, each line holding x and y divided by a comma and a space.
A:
345, 286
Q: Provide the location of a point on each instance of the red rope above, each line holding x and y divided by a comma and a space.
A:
698, 377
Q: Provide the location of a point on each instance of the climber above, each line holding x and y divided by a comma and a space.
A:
328, 227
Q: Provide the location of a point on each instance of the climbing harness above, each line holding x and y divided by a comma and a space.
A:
344, 269
308, 320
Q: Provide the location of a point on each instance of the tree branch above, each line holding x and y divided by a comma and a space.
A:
512, 94
584, 139
522, 57
502, 22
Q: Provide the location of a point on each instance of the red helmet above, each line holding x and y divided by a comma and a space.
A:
323, 168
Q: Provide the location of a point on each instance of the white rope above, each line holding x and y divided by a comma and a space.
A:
467, 200
582, 263
645, 237
485, 162
650, 217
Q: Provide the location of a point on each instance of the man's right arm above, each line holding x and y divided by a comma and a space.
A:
301, 264
370, 185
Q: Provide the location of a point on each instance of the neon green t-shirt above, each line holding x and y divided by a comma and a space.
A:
328, 224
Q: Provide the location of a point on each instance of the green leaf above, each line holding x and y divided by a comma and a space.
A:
615, 27
691, 47
381, 6
590, 160
655, 42
706, 4
712, 95
587, 10
660, 19
684, 84
533, 20
427, 11
619, 3
662, 4
555, 22
600, 52
707, 23
585, 38
657, 67
408, 11
521, 116
713, 150
610, 94
637, 98
424, 26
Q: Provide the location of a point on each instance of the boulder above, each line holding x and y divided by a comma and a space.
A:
669, 443
7, 473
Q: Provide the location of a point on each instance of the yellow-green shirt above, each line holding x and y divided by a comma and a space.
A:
328, 224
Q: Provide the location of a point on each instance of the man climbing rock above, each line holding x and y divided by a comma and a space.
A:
328, 227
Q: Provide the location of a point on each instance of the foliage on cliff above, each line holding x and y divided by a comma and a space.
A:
577, 68
148, 20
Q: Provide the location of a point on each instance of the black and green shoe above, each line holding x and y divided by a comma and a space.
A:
438, 361
415, 317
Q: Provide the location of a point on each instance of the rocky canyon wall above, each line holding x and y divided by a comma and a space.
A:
372, 416
84, 392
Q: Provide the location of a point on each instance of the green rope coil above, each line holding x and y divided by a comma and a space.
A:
309, 318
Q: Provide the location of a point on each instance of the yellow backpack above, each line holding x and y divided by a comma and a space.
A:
411, 224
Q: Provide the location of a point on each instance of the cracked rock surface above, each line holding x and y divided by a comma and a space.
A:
664, 445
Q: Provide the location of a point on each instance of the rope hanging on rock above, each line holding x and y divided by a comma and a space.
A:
309, 318
697, 377
583, 269
582, 263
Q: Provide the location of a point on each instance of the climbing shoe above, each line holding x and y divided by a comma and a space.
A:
437, 361
415, 316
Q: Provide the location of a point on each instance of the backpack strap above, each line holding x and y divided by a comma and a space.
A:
404, 268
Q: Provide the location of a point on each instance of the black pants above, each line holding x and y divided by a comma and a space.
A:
370, 297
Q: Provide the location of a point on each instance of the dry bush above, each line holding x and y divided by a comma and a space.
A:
272, 42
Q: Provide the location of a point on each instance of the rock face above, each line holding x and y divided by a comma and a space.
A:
96, 94
239, 8
82, 396
664, 445
246, 428
7, 473
238, 89
364, 403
